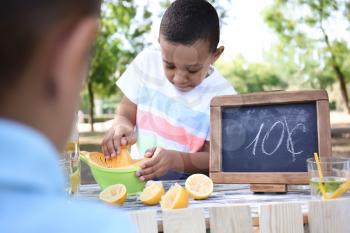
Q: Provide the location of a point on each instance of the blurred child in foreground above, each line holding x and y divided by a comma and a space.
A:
44, 51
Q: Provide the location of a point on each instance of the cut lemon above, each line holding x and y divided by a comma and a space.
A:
152, 194
199, 186
123, 160
114, 194
175, 198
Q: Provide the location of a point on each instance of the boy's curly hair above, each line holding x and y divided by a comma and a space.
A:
187, 21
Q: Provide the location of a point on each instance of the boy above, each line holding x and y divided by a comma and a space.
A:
43, 62
167, 95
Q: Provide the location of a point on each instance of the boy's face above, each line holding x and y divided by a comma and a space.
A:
186, 66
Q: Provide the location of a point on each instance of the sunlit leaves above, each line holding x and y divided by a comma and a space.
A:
301, 26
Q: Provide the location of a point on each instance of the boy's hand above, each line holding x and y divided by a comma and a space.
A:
161, 162
118, 135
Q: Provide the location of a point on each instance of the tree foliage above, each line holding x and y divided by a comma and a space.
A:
308, 47
220, 6
122, 29
119, 40
253, 77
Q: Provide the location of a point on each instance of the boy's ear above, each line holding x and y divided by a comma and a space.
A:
73, 53
77, 47
217, 54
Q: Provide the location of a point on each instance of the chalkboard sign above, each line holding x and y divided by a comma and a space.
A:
265, 138
268, 138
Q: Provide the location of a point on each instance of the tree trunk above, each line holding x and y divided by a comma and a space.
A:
344, 91
92, 104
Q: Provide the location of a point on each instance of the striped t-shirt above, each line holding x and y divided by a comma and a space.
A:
167, 117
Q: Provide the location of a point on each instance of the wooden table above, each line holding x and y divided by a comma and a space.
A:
224, 194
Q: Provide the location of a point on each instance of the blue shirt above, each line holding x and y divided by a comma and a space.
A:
32, 197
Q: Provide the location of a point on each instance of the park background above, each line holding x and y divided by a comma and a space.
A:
269, 45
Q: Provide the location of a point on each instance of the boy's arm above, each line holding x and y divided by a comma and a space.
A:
126, 111
164, 160
122, 130
197, 162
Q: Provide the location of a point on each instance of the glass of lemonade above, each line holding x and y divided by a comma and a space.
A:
72, 153
70, 162
335, 170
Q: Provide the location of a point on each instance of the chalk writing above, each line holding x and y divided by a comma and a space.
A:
285, 129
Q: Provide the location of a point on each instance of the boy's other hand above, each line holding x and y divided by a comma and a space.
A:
115, 137
161, 162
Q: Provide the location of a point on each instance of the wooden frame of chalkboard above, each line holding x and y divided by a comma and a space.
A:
269, 180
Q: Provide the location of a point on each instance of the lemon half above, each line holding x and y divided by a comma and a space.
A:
176, 198
152, 194
199, 186
114, 194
